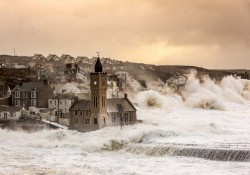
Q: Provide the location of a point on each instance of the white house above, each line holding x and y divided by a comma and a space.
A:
12, 112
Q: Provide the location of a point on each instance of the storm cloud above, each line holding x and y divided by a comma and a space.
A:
208, 33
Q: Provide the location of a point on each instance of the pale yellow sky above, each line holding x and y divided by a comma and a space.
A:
207, 33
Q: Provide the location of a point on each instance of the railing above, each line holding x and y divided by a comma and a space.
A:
232, 145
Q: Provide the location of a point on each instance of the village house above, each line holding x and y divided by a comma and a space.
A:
38, 57
35, 94
52, 57
98, 111
61, 104
12, 113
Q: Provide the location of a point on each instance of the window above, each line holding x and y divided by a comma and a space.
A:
27, 94
5, 115
76, 120
60, 102
50, 101
126, 117
81, 113
55, 102
95, 101
75, 112
87, 121
23, 94
95, 121
17, 102
104, 120
33, 94
130, 117
17, 94
33, 102
24, 103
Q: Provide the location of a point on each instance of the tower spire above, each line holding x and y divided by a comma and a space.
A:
98, 64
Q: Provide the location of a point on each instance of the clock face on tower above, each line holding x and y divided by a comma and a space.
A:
95, 83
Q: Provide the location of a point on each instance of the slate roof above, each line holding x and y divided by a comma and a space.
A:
11, 108
29, 86
113, 103
69, 96
81, 105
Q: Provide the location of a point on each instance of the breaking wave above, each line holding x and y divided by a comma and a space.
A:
202, 93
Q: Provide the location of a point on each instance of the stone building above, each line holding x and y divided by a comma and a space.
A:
31, 94
98, 111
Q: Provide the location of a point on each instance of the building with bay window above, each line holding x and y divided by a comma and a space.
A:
31, 94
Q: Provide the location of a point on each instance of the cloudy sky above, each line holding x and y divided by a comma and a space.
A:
207, 33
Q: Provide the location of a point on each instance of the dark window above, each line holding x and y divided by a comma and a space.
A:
75, 112
81, 113
86, 121
104, 119
130, 118
95, 121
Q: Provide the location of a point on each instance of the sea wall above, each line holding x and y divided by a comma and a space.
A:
218, 154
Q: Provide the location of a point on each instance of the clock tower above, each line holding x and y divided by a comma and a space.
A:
98, 88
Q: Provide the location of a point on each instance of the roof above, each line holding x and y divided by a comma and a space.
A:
29, 86
69, 96
11, 108
98, 65
114, 103
81, 105
44, 110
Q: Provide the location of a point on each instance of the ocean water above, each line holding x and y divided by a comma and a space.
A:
204, 112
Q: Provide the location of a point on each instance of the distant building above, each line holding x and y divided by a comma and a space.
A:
52, 57
98, 111
31, 94
38, 57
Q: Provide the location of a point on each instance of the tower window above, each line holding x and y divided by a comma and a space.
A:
95, 121
95, 101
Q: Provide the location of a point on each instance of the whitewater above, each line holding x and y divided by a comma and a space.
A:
202, 113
